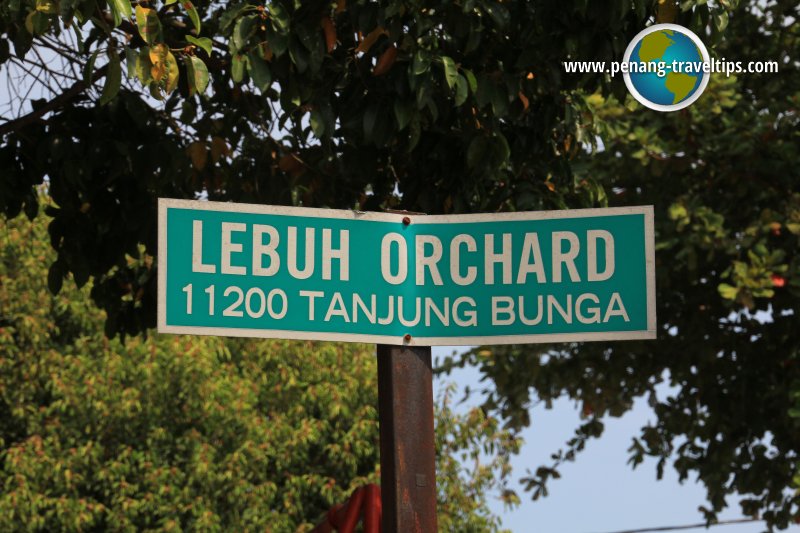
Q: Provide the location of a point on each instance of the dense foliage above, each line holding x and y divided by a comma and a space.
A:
459, 106
178, 433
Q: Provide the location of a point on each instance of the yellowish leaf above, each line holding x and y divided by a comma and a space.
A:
48, 7
148, 23
158, 60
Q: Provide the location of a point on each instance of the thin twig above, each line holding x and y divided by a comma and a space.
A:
691, 526
57, 47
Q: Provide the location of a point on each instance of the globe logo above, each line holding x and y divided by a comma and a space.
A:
668, 67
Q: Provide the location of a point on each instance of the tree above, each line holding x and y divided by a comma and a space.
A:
459, 107
172, 433
722, 175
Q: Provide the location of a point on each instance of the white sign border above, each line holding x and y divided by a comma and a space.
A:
649, 235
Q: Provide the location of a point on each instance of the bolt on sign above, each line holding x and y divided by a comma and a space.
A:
297, 273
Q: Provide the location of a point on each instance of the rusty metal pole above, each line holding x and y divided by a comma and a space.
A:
408, 449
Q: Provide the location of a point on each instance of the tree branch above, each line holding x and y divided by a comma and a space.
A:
70, 94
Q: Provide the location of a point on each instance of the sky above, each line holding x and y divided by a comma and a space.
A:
599, 493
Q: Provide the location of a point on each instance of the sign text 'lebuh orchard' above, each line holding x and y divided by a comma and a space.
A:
265, 271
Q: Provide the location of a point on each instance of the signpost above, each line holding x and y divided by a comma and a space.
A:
406, 283
262, 271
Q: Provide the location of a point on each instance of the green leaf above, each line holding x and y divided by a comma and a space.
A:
279, 17
462, 90
204, 43
415, 133
121, 9
193, 16
143, 68
421, 63
237, 68
476, 152
483, 95
231, 14
370, 118
278, 43
499, 99
259, 71
197, 72
113, 80
403, 111
317, 123
299, 55
244, 29
474, 40
499, 14
501, 149
131, 58
721, 20
88, 70
450, 71
472, 80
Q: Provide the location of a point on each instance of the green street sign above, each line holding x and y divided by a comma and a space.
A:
285, 272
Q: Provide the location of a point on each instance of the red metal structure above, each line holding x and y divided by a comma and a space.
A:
364, 503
